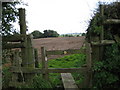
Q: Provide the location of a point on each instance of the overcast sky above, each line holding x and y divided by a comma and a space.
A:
63, 16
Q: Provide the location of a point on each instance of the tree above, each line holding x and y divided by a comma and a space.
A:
50, 33
83, 34
9, 16
37, 34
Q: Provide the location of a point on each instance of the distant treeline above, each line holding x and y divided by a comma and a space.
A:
46, 33
73, 35
51, 33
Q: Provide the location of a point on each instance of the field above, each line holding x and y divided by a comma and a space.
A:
59, 43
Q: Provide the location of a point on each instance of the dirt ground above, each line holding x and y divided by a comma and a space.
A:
59, 43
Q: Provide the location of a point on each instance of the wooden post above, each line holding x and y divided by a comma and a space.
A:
0, 45
88, 55
44, 63
36, 58
22, 21
102, 15
23, 31
102, 31
30, 52
27, 52
95, 50
88, 75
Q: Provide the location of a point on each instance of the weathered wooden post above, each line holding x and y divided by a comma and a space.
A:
30, 52
36, 58
0, 45
22, 23
102, 31
102, 17
27, 52
88, 75
98, 50
44, 63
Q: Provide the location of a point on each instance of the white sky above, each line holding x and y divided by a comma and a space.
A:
63, 16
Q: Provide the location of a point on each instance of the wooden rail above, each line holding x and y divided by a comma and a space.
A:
112, 21
50, 70
103, 42
15, 45
65, 52
13, 38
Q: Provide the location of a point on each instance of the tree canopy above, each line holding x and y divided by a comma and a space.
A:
45, 34
37, 34
9, 16
50, 33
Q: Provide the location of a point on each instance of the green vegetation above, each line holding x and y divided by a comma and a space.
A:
6, 77
37, 34
50, 33
106, 72
73, 35
72, 61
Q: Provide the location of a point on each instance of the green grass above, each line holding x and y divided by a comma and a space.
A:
71, 61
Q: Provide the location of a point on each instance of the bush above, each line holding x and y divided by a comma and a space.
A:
106, 72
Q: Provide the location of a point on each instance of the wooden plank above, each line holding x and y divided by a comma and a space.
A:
112, 21
26, 70
68, 81
13, 38
103, 42
65, 52
50, 70
10, 45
